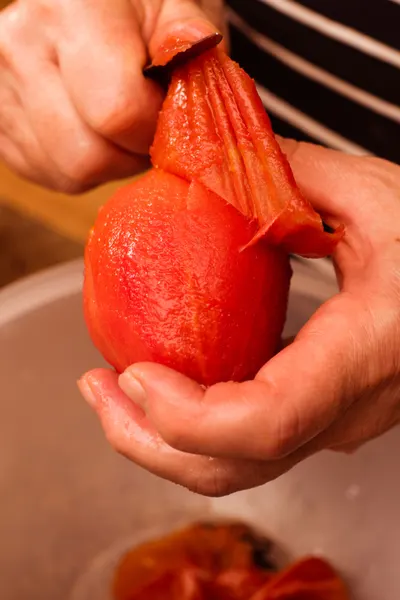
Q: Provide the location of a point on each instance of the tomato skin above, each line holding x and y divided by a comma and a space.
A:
213, 129
189, 267
167, 280
217, 562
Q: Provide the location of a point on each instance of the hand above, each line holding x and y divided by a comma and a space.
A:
75, 108
335, 387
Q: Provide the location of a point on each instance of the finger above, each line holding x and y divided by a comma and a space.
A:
294, 398
363, 194
179, 27
101, 55
132, 435
178, 16
83, 159
18, 145
215, 13
329, 179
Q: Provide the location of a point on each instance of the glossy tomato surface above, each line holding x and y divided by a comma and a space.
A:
168, 280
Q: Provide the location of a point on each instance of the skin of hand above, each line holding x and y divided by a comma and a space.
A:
75, 108
335, 387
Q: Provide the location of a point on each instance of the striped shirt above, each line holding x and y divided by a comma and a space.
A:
328, 71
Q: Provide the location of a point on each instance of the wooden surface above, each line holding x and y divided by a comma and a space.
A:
71, 216
40, 228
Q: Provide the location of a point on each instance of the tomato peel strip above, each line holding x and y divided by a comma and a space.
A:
213, 129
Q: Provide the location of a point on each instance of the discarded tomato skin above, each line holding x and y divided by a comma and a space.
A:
219, 556
215, 562
167, 281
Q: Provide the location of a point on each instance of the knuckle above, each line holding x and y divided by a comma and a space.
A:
285, 434
176, 436
116, 116
21, 28
276, 424
83, 170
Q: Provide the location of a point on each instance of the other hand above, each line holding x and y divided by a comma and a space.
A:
76, 110
335, 387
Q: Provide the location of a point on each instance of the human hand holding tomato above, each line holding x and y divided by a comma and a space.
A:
77, 111
335, 387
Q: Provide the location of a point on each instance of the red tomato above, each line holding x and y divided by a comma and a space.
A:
167, 280
188, 266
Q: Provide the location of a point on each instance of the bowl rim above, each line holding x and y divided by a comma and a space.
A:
54, 283
42, 288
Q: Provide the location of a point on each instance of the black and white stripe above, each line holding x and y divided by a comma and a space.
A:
377, 19
319, 78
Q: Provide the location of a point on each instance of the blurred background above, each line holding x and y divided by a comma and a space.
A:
39, 228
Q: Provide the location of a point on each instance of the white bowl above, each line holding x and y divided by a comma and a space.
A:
65, 497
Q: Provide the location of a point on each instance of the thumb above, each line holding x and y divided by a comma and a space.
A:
344, 186
183, 21
363, 194
325, 176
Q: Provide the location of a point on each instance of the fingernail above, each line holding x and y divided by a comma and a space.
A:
87, 391
192, 29
133, 388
